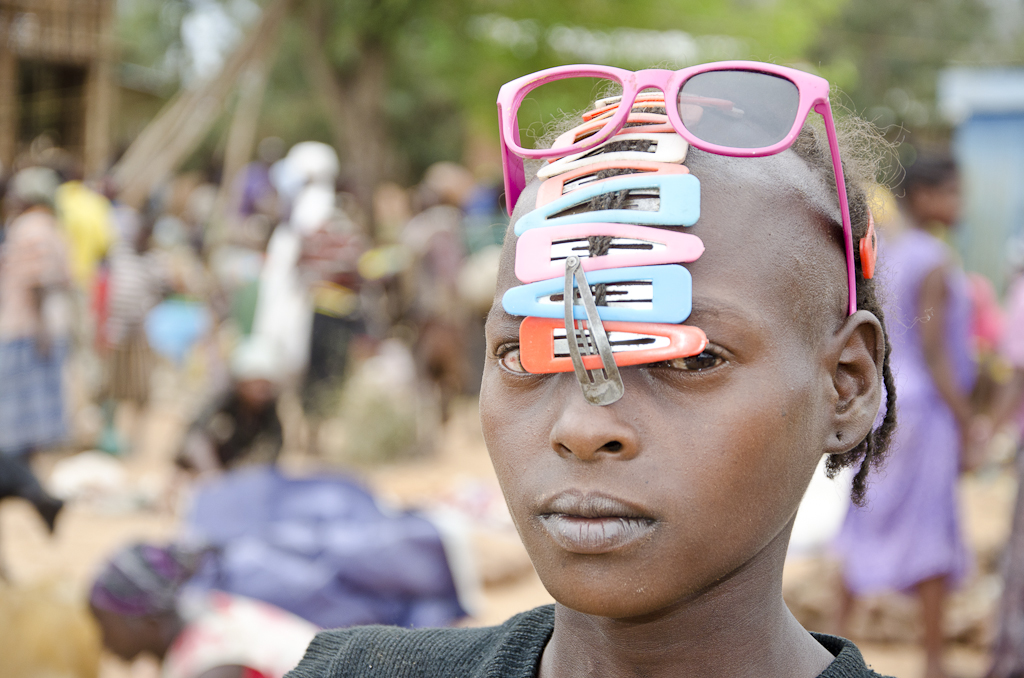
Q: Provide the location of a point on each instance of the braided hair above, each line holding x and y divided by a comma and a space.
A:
812, 147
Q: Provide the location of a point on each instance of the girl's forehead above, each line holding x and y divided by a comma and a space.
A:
770, 230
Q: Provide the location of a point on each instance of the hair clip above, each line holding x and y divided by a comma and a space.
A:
543, 348
868, 250
648, 123
567, 182
678, 203
640, 107
668, 147
603, 106
602, 383
541, 252
653, 294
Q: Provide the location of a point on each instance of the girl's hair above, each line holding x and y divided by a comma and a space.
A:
864, 152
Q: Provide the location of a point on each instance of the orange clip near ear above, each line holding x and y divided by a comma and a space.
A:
869, 250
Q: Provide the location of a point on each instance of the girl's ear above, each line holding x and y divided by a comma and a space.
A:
856, 366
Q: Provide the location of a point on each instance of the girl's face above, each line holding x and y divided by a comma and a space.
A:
696, 473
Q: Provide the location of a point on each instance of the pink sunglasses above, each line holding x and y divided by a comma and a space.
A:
732, 108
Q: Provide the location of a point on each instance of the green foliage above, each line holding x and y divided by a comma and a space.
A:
149, 34
886, 54
446, 59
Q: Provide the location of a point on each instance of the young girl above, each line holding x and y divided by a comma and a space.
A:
656, 498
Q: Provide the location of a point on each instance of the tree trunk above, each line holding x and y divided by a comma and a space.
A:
354, 101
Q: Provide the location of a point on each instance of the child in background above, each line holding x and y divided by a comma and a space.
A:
657, 504
138, 604
242, 425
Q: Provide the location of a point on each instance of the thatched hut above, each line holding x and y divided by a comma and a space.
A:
56, 64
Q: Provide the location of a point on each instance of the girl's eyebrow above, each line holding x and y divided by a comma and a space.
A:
722, 309
499, 320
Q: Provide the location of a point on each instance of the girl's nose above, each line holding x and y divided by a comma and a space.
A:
588, 431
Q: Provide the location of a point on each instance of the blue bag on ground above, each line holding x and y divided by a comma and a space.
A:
323, 549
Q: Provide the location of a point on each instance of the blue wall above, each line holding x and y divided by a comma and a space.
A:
990, 150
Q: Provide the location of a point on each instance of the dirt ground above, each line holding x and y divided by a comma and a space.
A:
89, 531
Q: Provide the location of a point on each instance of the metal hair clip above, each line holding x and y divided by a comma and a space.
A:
602, 386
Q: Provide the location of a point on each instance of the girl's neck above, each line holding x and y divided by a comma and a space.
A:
739, 627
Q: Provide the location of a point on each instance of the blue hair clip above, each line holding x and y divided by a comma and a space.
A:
651, 294
678, 203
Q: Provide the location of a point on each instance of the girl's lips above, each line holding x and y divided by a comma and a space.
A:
594, 523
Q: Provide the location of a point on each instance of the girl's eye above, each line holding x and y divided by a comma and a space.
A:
696, 363
509, 359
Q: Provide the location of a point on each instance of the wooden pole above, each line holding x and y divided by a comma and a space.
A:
241, 140
8, 95
100, 95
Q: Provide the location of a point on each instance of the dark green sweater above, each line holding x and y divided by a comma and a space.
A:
511, 650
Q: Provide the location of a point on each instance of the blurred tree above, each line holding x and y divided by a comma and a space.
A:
402, 83
384, 70
886, 54
403, 80
149, 36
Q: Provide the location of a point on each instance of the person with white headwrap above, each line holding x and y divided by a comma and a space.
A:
242, 425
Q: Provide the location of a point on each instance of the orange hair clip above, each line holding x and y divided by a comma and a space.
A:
544, 347
869, 250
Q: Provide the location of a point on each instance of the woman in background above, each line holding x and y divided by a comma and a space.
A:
908, 537
34, 327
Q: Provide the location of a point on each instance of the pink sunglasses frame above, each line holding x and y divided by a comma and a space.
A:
813, 92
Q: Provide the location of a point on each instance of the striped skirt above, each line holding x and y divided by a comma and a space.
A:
128, 369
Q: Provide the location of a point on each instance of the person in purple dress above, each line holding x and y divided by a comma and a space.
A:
907, 536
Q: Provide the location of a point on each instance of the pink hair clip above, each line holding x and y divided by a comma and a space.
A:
556, 186
642, 122
541, 252
605, 108
667, 148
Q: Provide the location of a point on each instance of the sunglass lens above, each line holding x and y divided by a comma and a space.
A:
552, 108
738, 109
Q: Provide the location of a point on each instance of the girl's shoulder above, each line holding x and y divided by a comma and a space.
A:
848, 662
511, 650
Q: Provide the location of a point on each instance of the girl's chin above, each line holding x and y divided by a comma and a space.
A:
616, 593
613, 605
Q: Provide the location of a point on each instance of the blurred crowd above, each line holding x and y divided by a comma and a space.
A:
278, 280
289, 320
